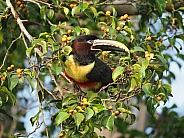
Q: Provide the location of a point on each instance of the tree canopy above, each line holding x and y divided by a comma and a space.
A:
36, 34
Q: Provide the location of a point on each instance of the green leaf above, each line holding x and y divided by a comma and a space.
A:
78, 117
62, 116
83, 6
50, 13
147, 89
136, 48
117, 72
77, 30
56, 67
132, 85
75, 10
1, 37
168, 88
35, 118
66, 10
133, 117
33, 82
137, 73
6, 114
161, 58
145, 64
160, 5
114, 12
29, 51
10, 94
93, 9
150, 106
44, 47
99, 107
180, 9
135, 105
108, 122
89, 113
43, 12
13, 81
91, 95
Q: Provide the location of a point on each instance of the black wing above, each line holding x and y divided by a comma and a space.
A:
100, 73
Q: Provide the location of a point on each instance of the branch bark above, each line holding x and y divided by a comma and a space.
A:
19, 21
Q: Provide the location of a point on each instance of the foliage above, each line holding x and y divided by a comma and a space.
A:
34, 39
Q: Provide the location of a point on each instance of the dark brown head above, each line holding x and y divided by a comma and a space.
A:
81, 45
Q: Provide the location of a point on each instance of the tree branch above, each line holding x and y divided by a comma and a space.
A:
19, 21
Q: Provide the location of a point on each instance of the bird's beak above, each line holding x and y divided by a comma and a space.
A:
109, 45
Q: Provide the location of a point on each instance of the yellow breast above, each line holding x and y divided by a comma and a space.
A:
77, 72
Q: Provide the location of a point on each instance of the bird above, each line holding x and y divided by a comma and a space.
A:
86, 70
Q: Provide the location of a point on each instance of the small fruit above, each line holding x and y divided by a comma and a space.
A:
63, 39
125, 27
69, 31
71, 111
161, 40
83, 107
12, 31
19, 76
68, 42
102, 28
3, 79
19, 71
19, 3
117, 112
118, 28
12, 66
9, 68
72, 5
110, 108
107, 30
84, 100
136, 57
126, 16
148, 38
108, 13
69, 38
60, 135
122, 18
158, 98
47, 36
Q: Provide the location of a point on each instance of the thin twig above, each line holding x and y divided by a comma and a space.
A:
9, 49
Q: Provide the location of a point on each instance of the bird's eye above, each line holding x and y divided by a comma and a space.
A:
90, 41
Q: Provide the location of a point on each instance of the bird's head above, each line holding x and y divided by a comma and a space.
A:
90, 44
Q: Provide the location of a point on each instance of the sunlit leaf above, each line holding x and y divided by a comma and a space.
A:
147, 89
62, 116
50, 13
78, 117
66, 10
164, 62
9, 93
136, 48
89, 113
35, 118
43, 12
13, 81
108, 122
75, 10
56, 67
117, 72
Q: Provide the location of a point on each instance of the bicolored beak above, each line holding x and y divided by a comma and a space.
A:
109, 45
